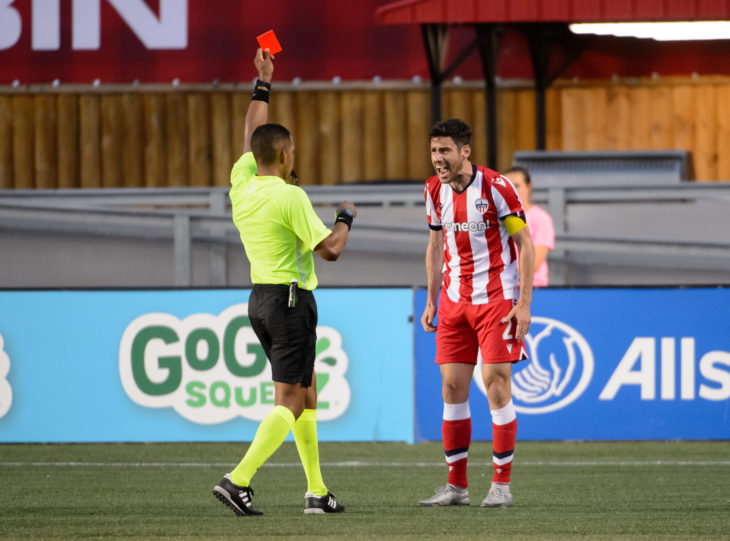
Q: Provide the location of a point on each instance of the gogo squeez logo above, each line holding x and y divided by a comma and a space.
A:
211, 369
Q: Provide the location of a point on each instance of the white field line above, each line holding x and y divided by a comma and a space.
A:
365, 464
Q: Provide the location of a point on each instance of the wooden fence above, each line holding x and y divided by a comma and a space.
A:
134, 137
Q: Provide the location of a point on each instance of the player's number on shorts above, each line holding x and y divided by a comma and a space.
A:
507, 335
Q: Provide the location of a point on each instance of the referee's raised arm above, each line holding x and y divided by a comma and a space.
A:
258, 110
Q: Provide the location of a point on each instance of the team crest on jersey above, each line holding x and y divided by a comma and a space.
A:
482, 206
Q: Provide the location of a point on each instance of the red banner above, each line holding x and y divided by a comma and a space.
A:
200, 41
120, 41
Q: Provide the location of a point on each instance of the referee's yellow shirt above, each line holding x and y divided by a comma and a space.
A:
278, 226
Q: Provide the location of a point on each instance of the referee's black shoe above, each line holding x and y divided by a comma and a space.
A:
240, 499
318, 505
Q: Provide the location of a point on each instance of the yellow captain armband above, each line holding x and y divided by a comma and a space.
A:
513, 224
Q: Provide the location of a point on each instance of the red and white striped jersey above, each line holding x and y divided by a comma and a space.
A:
480, 258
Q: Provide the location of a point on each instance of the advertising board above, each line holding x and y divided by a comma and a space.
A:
86, 366
605, 364
184, 365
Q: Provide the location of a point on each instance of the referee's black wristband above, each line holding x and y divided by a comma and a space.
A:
261, 91
345, 217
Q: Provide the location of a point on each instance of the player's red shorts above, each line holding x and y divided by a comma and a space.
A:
465, 329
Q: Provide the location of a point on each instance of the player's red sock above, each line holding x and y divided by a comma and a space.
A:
456, 431
504, 435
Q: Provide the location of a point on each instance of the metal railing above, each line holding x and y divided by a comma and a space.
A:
186, 216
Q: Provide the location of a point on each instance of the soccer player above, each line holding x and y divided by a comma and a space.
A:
476, 221
280, 231
539, 222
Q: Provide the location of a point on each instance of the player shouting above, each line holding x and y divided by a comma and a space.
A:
476, 219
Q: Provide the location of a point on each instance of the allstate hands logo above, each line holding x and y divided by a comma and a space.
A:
559, 368
6, 392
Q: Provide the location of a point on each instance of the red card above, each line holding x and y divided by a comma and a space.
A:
268, 40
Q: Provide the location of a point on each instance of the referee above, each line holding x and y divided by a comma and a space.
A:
280, 231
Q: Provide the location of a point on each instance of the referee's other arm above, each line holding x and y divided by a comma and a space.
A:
331, 246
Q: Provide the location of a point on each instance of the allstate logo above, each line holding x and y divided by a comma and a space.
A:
559, 369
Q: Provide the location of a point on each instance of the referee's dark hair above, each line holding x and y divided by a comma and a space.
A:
266, 142
454, 128
518, 169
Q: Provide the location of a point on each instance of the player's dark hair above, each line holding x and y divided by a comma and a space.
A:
266, 142
454, 128
518, 169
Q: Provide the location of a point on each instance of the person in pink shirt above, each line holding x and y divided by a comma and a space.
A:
538, 221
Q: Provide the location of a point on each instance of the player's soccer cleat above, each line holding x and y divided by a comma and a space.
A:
447, 495
499, 496
240, 499
318, 505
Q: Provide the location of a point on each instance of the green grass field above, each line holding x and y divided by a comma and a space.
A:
587, 490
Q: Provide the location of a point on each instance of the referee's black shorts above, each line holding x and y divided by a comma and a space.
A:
288, 335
